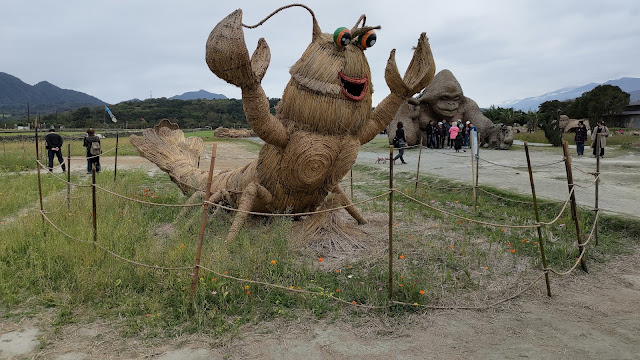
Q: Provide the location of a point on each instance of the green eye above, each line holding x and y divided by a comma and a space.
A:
342, 36
367, 39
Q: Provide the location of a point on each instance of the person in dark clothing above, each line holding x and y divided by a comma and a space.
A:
402, 142
581, 137
54, 146
92, 159
429, 132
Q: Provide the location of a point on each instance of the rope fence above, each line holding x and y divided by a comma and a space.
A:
389, 193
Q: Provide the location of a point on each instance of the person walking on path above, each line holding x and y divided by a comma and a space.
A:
54, 148
92, 143
600, 133
402, 142
580, 138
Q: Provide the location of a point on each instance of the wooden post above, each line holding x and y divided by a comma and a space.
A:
93, 201
351, 178
572, 197
391, 223
39, 178
418, 171
596, 209
535, 208
68, 177
203, 223
115, 168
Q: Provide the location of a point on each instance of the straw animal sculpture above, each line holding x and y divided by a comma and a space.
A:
313, 140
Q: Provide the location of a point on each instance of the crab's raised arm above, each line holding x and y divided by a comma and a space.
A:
419, 74
228, 58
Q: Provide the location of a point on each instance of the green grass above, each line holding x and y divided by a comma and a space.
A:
19, 191
450, 259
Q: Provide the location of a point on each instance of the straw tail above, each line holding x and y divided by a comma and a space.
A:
166, 146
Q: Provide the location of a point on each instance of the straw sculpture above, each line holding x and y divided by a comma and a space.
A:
443, 100
324, 116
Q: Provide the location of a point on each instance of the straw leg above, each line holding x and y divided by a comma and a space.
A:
251, 196
195, 197
351, 209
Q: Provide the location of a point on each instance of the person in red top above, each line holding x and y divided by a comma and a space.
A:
453, 132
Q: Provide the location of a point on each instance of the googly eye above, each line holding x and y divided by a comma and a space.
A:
342, 36
367, 39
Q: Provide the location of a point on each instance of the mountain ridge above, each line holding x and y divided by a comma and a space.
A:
627, 84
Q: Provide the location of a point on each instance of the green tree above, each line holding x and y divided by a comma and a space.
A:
603, 102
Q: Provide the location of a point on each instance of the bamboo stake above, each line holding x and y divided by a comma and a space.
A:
391, 223
535, 208
203, 223
39, 178
115, 168
68, 177
596, 209
574, 208
351, 177
418, 171
93, 202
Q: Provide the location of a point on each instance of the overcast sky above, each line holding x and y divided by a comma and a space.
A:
498, 50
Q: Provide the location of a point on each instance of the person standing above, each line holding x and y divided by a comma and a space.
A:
472, 128
465, 134
429, 132
54, 148
580, 138
453, 133
600, 133
402, 142
92, 143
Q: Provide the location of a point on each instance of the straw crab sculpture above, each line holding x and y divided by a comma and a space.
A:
325, 115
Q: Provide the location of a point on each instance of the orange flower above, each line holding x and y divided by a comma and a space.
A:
536, 243
415, 304
502, 230
421, 292
486, 268
354, 302
451, 246
273, 262
182, 246
459, 222
226, 272
248, 292
410, 237
337, 290
320, 259
213, 279
350, 266
246, 287
513, 251
338, 270
457, 201
436, 224
402, 256
400, 285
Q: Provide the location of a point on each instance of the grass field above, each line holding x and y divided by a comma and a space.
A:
438, 258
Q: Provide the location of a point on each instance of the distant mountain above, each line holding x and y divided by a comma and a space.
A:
43, 97
627, 84
194, 95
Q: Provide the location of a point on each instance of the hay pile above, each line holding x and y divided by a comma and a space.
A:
223, 132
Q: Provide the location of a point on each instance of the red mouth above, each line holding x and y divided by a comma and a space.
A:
353, 88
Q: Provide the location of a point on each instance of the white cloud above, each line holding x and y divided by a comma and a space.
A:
498, 49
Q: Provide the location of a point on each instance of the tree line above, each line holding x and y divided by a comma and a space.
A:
146, 113
604, 102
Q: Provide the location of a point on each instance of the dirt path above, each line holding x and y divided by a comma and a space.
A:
594, 316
